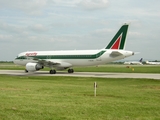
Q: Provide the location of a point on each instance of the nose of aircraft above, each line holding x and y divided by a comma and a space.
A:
14, 61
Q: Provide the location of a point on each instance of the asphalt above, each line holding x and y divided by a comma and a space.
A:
83, 74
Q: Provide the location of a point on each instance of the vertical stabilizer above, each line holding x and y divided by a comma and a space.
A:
141, 60
118, 41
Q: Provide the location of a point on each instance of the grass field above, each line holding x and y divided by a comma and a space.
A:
72, 98
120, 68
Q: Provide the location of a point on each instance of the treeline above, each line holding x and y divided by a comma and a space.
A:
115, 63
6, 61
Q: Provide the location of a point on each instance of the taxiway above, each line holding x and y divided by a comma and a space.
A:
83, 74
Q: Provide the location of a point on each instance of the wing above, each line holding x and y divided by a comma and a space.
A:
43, 61
52, 63
46, 62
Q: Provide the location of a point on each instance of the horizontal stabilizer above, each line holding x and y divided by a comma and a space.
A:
115, 54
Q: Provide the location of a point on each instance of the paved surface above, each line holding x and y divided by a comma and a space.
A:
83, 74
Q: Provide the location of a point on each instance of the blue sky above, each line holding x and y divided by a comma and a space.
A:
78, 24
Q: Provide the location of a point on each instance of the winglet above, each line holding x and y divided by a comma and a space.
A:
118, 41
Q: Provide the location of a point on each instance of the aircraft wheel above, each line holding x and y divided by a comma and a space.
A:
26, 71
52, 71
70, 71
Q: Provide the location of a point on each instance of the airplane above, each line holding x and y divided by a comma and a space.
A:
61, 60
152, 63
134, 62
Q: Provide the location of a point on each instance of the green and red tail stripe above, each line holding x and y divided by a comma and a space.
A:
118, 41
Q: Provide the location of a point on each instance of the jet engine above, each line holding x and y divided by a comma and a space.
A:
33, 67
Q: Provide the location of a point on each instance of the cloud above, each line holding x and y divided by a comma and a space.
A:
67, 3
103, 33
32, 7
4, 38
10, 29
37, 28
93, 4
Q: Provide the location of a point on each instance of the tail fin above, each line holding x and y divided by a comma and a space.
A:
118, 41
141, 60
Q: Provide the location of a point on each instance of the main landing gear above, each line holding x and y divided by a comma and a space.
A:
54, 71
70, 71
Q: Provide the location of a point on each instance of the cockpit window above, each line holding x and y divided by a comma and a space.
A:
20, 57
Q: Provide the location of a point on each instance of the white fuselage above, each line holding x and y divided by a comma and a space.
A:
152, 63
74, 57
133, 63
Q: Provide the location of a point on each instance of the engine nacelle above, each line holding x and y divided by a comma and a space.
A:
33, 67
